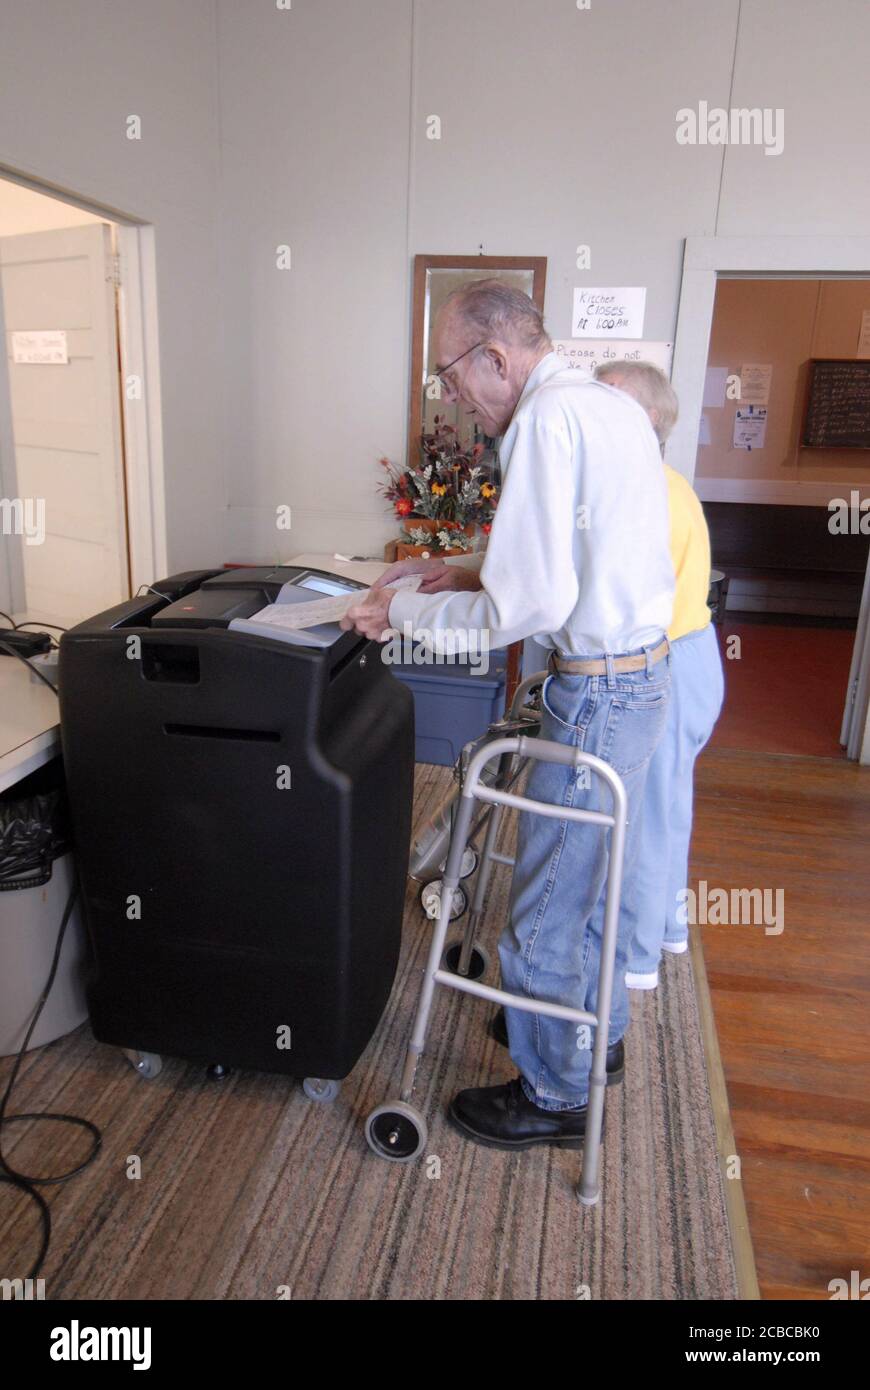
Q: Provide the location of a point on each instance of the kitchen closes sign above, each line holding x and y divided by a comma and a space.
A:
608, 313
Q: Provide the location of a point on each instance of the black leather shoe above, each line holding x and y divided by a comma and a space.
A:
615, 1053
502, 1117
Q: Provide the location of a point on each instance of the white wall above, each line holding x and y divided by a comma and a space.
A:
71, 75
314, 118
307, 126
558, 129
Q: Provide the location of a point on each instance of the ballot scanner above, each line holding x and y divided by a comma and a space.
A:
241, 804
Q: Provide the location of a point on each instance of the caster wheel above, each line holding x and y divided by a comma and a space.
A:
147, 1064
430, 897
470, 861
316, 1088
395, 1130
478, 962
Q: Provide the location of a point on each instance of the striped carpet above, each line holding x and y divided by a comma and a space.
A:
248, 1189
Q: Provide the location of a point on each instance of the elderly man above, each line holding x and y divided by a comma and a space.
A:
578, 556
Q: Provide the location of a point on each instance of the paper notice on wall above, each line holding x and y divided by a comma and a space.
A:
42, 347
608, 313
750, 427
864, 335
715, 381
755, 383
591, 353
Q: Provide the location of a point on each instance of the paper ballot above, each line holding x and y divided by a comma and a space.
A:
296, 616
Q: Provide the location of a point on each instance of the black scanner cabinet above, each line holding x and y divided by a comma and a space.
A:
241, 807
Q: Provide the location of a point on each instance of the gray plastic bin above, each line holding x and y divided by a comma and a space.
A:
36, 877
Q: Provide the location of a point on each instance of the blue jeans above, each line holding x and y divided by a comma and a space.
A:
651, 902
551, 947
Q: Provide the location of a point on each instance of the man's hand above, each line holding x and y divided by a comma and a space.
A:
371, 618
438, 577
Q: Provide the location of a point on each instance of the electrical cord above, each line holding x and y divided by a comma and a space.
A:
27, 662
55, 627
28, 1182
16, 627
152, 590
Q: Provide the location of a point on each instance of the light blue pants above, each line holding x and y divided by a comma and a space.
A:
551, 947
649, 900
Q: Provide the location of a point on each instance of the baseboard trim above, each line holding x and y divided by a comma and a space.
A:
726, 1145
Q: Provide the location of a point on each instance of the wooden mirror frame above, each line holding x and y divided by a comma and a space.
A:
488, 266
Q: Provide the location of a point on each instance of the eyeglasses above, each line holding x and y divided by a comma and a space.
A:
441, 375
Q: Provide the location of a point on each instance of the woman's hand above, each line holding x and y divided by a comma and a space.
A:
437, 576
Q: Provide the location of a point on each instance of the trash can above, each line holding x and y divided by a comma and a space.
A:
36, 878
453, 704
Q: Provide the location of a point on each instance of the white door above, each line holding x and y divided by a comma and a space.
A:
66, 423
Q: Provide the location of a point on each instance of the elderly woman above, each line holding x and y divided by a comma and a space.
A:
654, 891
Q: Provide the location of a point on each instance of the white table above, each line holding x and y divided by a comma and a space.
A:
366, 571
29, 726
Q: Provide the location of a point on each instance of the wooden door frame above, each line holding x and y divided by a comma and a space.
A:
138, 342
705, 260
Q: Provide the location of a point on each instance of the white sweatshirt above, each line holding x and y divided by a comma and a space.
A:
579, 552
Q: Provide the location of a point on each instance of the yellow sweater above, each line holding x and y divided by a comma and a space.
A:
690, 553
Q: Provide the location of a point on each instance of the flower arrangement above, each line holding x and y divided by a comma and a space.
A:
448, 493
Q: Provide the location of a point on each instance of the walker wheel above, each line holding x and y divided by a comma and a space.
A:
430, 898
478, 961
319, 1089
147, 1064
396, 1131
470, 861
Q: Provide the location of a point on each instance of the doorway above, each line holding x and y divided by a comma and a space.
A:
757, 313
80, 464
794, 590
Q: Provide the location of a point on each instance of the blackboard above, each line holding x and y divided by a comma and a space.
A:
837, 412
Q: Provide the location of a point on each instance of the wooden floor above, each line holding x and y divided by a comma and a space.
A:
786, 692
792, 1009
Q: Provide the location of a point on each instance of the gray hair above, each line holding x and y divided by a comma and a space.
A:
650, 388
493, 310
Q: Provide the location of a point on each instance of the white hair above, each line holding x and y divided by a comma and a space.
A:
493, 310
650, 388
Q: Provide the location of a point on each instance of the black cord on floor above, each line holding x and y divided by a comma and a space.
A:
26, 1182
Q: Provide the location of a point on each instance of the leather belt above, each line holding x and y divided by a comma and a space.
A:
597, 666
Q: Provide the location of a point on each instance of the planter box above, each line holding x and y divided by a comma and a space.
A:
426, 552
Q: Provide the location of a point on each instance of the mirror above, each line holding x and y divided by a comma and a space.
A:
435, 277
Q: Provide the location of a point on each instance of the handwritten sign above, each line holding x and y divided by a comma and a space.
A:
838, 405
608, 313
593, 353
41, 347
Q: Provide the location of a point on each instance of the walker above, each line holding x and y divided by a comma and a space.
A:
396, 1130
